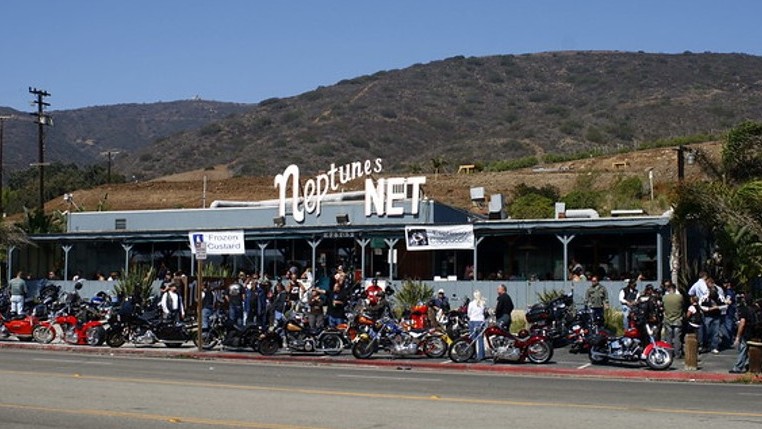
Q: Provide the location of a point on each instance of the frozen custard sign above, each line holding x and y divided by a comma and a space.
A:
381, 197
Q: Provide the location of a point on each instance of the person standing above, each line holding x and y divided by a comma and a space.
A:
18, 293
729, 319
713, 305
475, 319
172, 304
742, 336
337, 302
673, 317
235, 303
628, 297
597, 299
504, 307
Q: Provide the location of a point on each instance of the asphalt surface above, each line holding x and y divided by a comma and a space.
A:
64, 389
712, 368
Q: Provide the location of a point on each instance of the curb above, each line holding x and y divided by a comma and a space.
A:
674, 375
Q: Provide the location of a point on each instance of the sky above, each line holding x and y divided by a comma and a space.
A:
99, 52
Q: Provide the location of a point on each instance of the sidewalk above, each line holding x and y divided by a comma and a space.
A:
712, 368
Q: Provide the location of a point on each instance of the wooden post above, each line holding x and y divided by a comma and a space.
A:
199, 305
755, 356
691, 352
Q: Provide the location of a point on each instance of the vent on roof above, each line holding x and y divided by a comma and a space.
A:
120, 224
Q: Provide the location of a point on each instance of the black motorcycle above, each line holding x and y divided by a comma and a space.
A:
146, 327
231, 336
553, 319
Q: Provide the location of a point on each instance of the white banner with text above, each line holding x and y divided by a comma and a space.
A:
439, 237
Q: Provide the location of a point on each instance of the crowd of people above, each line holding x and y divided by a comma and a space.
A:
718, 315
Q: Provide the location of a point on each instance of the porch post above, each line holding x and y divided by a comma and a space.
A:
192, 261
314, 244
262, 247
362, 242
391, 242
127, 248
659, 262
476, 265
566, 239
9, 274
66, 248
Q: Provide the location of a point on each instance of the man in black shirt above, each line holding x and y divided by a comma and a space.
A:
337, 302
504, 307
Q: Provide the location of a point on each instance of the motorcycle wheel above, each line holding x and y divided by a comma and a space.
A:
95, 336
210, 340
362, 349
44, 334
435, 347
597, 355
269, 345
332, 344
540, 352
462, 350
659, 359
115, 338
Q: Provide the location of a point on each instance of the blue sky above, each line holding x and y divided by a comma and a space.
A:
98, 52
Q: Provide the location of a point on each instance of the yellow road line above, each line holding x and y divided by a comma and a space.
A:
154, 417
395, 396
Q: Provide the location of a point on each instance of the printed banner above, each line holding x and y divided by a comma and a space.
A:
219, 242
439, 237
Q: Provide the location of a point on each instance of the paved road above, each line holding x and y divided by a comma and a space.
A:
69, 390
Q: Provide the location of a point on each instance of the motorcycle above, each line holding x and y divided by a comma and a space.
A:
299, 337
221, 330
630, 347
388, 335
20, 326
552, 319
147, 328
82, 327
503, 345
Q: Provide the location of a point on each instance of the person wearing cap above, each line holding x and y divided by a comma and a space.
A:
628, 297
172, 304
439, 302
712, 306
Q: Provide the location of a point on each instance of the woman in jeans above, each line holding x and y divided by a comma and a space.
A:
475, 320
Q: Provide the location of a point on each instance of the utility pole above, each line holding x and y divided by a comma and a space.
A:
109, 154
42, 119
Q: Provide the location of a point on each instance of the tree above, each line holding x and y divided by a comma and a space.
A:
438, 165
729, 209
532, 206
742, 153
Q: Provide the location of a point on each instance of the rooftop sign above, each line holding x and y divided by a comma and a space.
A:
380, 196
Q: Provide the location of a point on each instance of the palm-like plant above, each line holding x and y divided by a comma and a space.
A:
137, 283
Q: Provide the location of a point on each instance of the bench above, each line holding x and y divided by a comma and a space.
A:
466, 168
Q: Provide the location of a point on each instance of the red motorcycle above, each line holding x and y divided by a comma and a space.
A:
83, 327
21, 327
503, 345
630, 347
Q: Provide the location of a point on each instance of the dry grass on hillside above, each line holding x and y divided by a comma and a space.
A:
186, 190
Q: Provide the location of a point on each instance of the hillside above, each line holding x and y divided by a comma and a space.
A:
185, 191
475, 110
81, 135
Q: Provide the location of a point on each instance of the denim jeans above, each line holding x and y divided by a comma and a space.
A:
205, 314
712, 332
473, 329
235, 314
672, 336
743, 356
17, 304
335, 321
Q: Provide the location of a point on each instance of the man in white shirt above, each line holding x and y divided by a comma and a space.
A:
699, 289
172, 304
